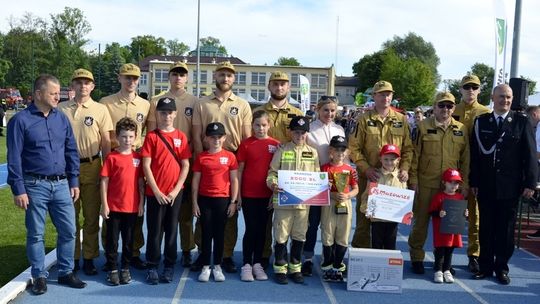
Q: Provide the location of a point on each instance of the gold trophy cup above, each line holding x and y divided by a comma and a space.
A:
341, 180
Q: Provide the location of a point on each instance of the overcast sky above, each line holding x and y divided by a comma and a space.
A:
260, 31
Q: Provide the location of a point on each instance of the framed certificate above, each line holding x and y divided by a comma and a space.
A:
390, 203
302, 187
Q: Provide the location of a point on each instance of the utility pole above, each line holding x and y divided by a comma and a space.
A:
515, 43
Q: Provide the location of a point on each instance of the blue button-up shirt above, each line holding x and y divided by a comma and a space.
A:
40, 145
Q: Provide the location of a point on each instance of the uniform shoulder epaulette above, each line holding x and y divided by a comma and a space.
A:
484, 115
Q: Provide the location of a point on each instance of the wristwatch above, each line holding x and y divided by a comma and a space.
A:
234, 202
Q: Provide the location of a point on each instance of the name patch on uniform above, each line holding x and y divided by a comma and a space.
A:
188, 111
307, 154
140, 117
397, 124
136, 162
177, 142
291, 115
431, 131
458, 133
233, 111
371, 123
272, 149
88, 121
223, 160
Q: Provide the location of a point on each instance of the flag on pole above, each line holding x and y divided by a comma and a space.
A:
501, 28
305, 93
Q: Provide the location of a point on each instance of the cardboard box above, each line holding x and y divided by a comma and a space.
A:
375, 270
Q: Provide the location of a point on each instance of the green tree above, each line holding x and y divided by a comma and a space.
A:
176, 48
404, 72
290, 61
147, 45
67, 32
111, 61
532, 85
212, 42
368, 69
5, 65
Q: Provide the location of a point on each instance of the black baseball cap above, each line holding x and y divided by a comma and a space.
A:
215, 128
338, 141
166, 104
299, 123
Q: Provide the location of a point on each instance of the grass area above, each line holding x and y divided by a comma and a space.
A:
13, 232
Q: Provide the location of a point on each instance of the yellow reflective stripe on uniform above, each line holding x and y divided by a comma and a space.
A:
293, 268
327, 267
342, 267
281, 269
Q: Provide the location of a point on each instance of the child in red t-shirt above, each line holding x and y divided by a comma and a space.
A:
254, 157
336, 222
214, 189
122, 174
445, 243
166, 156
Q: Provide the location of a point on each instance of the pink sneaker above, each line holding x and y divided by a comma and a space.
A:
246, 273
258, 272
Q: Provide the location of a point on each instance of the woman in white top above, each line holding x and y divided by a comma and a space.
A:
321, 131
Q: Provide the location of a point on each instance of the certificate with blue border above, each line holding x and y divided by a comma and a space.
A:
302, 187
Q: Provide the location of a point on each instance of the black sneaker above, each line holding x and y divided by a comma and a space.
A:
113, 278
138, 263
186, 259
418, 267
281, 278
89, 268
125, 276
228, 265
473, 266
167, 275
307, 268
297, 277
534, 236
39, 286
71, 280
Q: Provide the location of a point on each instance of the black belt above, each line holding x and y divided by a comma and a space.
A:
89, 159
47, 177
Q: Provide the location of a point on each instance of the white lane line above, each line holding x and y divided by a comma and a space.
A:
180, 287
456, 280
327, 289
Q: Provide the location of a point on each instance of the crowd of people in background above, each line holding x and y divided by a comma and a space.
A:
176, 157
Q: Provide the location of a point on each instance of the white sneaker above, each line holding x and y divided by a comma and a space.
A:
246, 273
218, 274
205, 274
438, 277
258, 272
448, 277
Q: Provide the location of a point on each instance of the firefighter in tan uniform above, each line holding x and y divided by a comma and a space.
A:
466, 112
185, 103
235, 114
91, 125
374, 129
441, 142
291, 221
280, 112
126, 103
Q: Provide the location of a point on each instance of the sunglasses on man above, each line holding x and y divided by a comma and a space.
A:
469, 86
448, 106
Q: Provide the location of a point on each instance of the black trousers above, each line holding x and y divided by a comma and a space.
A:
256, 215
119, 223
443, 258
314, 220
497, 224
383, 235
213, 219
162, 223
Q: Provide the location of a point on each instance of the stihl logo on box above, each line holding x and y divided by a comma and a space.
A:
397, 262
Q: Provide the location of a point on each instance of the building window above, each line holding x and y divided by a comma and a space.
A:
318, 81
144, 79
204, 77
160, 88
241, 78
315, 96
161, 75
258, 78
239, 91
258, 95
295, 95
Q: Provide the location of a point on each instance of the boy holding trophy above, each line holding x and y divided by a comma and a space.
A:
336, 218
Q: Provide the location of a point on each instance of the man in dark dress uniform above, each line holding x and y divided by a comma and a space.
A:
503, 168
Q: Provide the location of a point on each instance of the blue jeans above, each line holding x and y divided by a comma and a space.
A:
54, 197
